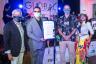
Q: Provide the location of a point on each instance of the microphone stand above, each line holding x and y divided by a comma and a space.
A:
54, 50
54, 40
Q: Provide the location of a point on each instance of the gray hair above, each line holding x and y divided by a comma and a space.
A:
16, 10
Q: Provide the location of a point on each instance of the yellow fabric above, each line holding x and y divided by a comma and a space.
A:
78, 50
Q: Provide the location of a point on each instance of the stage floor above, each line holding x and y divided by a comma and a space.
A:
91, 60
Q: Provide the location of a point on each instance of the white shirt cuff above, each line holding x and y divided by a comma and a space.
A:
8, 52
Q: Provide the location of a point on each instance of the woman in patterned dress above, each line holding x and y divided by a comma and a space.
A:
84, 35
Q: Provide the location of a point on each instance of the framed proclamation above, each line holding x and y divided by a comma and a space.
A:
48, 29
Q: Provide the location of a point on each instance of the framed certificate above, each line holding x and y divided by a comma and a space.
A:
48, 29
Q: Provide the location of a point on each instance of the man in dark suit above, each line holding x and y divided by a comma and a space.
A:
15, 38
35, 34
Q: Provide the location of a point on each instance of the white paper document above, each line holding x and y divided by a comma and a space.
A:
48, 29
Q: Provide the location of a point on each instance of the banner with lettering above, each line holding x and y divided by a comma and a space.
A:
49, 8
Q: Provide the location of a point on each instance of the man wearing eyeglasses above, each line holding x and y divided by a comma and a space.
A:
67, 27
35, 33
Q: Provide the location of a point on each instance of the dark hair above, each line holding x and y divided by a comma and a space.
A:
37, 7
7, 5
92, 19
84, 16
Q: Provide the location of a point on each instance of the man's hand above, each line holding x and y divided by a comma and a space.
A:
42, 39
66, 37
70, 35
10, 57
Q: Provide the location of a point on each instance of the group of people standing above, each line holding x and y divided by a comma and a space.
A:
76, 34
19, 37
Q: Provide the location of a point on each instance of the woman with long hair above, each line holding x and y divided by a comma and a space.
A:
84, 35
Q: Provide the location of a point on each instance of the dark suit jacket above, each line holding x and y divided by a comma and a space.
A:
12, 39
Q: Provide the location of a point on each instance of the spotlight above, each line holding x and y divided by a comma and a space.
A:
59, 8
20, 6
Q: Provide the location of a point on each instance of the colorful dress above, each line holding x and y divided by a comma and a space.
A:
81, 51
82, 42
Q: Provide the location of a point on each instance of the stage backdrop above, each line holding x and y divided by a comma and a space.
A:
48, 7
2, 3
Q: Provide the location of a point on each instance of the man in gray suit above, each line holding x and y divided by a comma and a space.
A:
35, 33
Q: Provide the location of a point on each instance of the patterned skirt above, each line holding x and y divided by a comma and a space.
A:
81, 51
